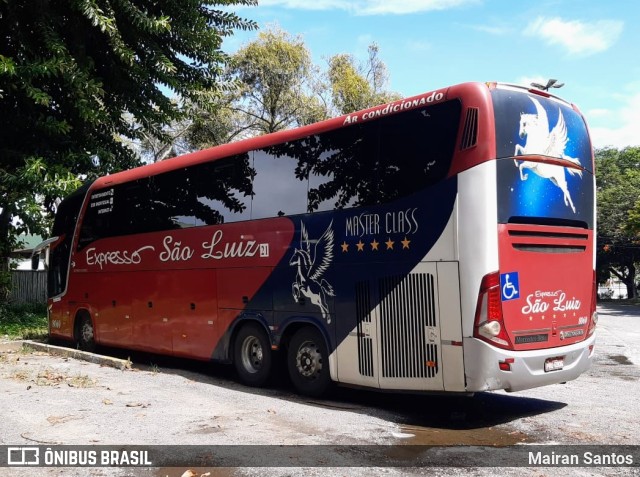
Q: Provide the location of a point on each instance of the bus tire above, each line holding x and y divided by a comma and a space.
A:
252, 355
86, 338
308, 362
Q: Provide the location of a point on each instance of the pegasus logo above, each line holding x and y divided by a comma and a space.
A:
313, 258
539, 140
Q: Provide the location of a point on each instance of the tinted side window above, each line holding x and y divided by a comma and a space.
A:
375, 162
205, 194
278, 189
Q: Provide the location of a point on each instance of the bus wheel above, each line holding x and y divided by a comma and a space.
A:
308, 362
252, 355
86, 340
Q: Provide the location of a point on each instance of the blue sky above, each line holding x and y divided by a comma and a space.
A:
590, 45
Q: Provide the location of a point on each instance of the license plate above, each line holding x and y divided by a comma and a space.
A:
553, 364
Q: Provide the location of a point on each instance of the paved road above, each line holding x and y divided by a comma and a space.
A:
52, 400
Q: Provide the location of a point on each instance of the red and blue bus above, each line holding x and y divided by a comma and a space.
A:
440, 243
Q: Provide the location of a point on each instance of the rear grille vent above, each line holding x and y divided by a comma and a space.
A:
405, 312
365, 342
470, 131
549, 248
542, 233
543, 241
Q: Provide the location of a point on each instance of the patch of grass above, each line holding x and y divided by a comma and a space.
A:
28, 321
81, 381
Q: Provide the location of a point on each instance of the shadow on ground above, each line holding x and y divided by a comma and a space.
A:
425, 419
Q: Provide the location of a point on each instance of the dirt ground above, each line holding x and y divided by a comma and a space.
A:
50, 400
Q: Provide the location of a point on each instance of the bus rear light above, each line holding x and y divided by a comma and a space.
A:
593, 323
489, 322
594, 312
490, 329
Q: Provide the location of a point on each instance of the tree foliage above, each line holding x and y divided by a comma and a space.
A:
81, 79
274, 75
618, 185
277, 86
358, 86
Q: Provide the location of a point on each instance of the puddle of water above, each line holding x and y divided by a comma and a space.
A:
487, 436
411, 448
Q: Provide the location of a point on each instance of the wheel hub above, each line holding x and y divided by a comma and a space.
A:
252, 354
309, 360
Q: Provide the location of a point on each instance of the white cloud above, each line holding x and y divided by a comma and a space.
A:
370, 7
578, 38
495, 30
623, 129
304, 4
598, 113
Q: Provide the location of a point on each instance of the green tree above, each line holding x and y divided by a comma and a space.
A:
358, 86
278, 87
618, 185
72, 74
275, 84
219, 125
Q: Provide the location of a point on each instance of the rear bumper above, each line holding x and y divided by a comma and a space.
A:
527, 370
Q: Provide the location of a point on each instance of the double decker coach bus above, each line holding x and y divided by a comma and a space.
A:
444, 242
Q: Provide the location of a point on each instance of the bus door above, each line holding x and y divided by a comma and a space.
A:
399, 343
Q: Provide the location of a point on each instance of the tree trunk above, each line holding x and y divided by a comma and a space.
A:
626, 274
630, 281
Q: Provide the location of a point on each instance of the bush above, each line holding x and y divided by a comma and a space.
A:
25, 321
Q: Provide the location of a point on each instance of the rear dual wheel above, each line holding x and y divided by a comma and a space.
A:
307, 359
308, 362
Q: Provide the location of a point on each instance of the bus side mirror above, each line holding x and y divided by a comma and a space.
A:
35, 261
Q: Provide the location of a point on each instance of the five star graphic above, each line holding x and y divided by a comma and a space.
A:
375, 245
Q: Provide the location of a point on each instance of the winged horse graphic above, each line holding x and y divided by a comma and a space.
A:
313, 259
539, 140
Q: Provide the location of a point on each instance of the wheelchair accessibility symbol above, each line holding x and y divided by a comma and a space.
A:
509, 286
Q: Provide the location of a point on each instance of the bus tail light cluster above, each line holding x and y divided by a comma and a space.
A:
489, 321
594, 313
